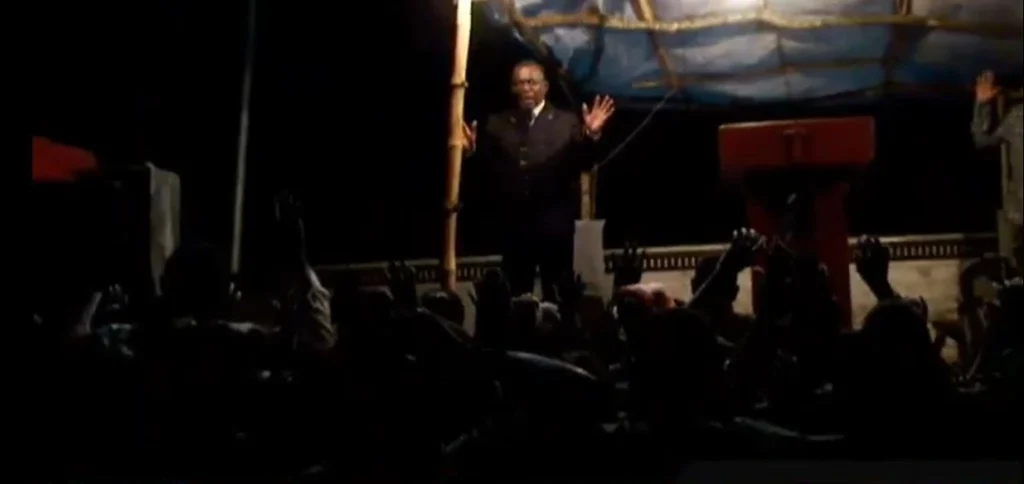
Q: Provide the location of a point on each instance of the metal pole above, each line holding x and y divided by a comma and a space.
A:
243, 140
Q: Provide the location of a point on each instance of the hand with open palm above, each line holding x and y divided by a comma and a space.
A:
985, 89
597, 113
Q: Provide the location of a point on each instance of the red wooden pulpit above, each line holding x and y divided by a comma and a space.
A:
812, 159
57, 163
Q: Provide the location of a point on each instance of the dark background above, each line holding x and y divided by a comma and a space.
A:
349, 110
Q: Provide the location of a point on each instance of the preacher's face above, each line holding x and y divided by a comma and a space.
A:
529, 85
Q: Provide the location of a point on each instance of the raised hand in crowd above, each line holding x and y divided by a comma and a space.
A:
113, 305
629, 265
291, 231
402, 283
774, 302
491, 289
737, 257
740, 254
570, 294
871, 259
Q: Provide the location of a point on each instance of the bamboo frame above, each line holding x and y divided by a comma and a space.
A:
587, 203
645, 12
963, 91
463, 24
897, 47
684, 257
771, 19
523, 27
782, 59
785, 69
647, 21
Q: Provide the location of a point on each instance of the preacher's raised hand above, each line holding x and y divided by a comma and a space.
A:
597, 114
469, 137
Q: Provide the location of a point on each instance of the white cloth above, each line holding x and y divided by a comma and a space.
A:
588, 258
164, 219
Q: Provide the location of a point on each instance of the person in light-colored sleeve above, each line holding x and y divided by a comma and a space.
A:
1010, 130
309, 311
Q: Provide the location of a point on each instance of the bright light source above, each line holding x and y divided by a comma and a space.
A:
741, 5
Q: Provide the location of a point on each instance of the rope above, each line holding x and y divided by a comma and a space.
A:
636, 130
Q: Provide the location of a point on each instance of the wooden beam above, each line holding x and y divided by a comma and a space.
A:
783, 66
899, 43
645, 12
935, 90
533, 40
784, 69
587, 203
990, 29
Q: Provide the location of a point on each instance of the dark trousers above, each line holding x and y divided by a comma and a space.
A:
524, 252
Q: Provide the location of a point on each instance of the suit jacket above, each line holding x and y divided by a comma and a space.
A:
533, 182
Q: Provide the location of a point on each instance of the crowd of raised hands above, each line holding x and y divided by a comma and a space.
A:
287, 378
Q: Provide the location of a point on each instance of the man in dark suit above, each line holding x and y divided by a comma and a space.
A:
534, 155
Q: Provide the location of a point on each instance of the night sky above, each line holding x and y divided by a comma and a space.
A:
349, 111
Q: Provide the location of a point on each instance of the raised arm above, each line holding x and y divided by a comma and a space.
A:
985, 92
588, 128
871, 259
739, 256
981, 128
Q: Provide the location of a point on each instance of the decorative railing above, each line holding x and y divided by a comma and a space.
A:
675, 258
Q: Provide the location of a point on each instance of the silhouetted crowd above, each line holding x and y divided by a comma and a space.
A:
280, 377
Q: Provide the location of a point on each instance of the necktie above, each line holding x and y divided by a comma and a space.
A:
525, 120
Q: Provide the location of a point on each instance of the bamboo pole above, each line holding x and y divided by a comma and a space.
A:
243, 141
463, 22
587, 194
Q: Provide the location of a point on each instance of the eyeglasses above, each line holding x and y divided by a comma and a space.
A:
527, 82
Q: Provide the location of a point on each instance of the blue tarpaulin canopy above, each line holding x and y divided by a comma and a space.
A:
720, 52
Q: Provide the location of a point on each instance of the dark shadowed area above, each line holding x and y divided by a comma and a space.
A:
148, 358
350, 113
